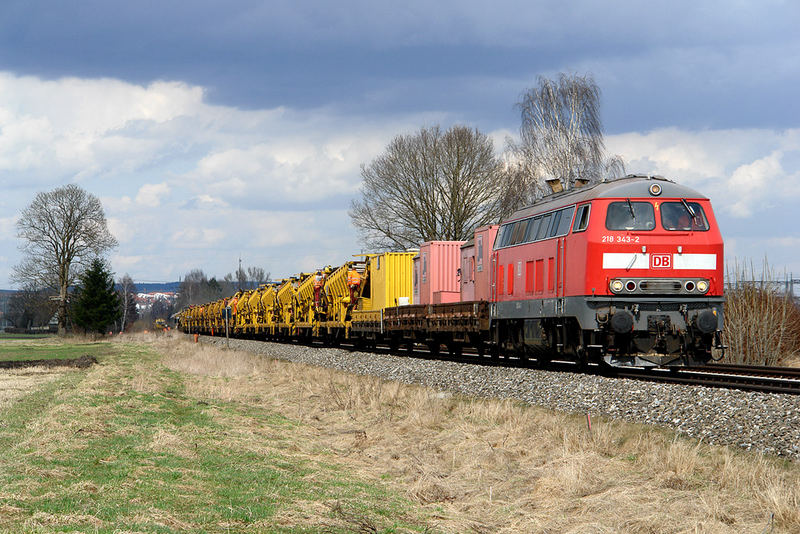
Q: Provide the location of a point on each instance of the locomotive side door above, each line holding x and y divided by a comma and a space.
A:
493, 278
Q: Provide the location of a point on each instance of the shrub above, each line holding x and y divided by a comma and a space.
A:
762, 321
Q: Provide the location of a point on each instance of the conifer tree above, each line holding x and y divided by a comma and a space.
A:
97, 305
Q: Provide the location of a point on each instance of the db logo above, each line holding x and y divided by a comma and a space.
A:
660, 261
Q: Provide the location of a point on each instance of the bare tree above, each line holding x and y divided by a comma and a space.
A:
31, 306
196, 288
257, 276
127, 299
432, 185
561, 135
63, 231
241, 277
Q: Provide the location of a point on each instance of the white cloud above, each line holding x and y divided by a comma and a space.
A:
152, 194
124, 264
186, 184
751, 183
740, 170
789, 242
176, 173
121, 229
195, 237
8, 228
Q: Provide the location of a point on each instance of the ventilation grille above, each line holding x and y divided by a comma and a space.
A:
661, 287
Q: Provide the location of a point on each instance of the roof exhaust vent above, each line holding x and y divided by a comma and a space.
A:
555, 185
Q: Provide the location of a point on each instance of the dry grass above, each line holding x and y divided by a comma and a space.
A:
17, 382
762, 324
497, 465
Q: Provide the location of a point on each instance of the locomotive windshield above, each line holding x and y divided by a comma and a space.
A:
628, 215
683, 216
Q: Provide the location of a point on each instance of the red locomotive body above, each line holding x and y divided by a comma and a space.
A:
628, 270
476, 264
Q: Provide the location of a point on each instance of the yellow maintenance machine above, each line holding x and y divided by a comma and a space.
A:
268, 309
335, 307
243, 312
310, 302
338, 304
287, 303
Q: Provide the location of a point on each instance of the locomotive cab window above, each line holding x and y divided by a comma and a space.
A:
629, 215
582, 218
683, 216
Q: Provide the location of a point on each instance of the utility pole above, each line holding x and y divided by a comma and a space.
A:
239, 273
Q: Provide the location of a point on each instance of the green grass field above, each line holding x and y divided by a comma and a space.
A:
121, 447
43, 350
165, 435
6, 336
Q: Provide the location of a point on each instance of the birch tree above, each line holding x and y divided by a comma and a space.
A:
127, 296
62, 230
561, 136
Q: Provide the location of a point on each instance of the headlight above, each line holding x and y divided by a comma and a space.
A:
702, 286
616, 286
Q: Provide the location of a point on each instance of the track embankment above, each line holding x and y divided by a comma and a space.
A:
763, 422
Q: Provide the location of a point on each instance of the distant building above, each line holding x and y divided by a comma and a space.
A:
144, 301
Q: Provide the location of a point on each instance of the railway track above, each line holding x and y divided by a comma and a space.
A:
743, 377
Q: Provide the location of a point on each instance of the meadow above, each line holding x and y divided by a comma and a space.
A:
164, 435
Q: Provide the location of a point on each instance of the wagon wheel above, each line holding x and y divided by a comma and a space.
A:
454, 348
581, 357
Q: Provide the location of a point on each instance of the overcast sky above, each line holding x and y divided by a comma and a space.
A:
214, 130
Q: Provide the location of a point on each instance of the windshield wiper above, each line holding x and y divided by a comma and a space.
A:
689, 208
630, 207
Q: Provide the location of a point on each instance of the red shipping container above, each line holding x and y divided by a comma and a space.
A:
476, 257
436, 271
468, 271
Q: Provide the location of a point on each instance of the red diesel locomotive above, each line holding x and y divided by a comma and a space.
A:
628, 271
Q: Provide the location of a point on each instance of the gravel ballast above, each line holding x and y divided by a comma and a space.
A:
762, 422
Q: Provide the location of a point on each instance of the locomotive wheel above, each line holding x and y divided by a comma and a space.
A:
543, 361
582, 358
434, 347
454, 349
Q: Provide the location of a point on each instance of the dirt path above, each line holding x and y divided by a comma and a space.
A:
81, 363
